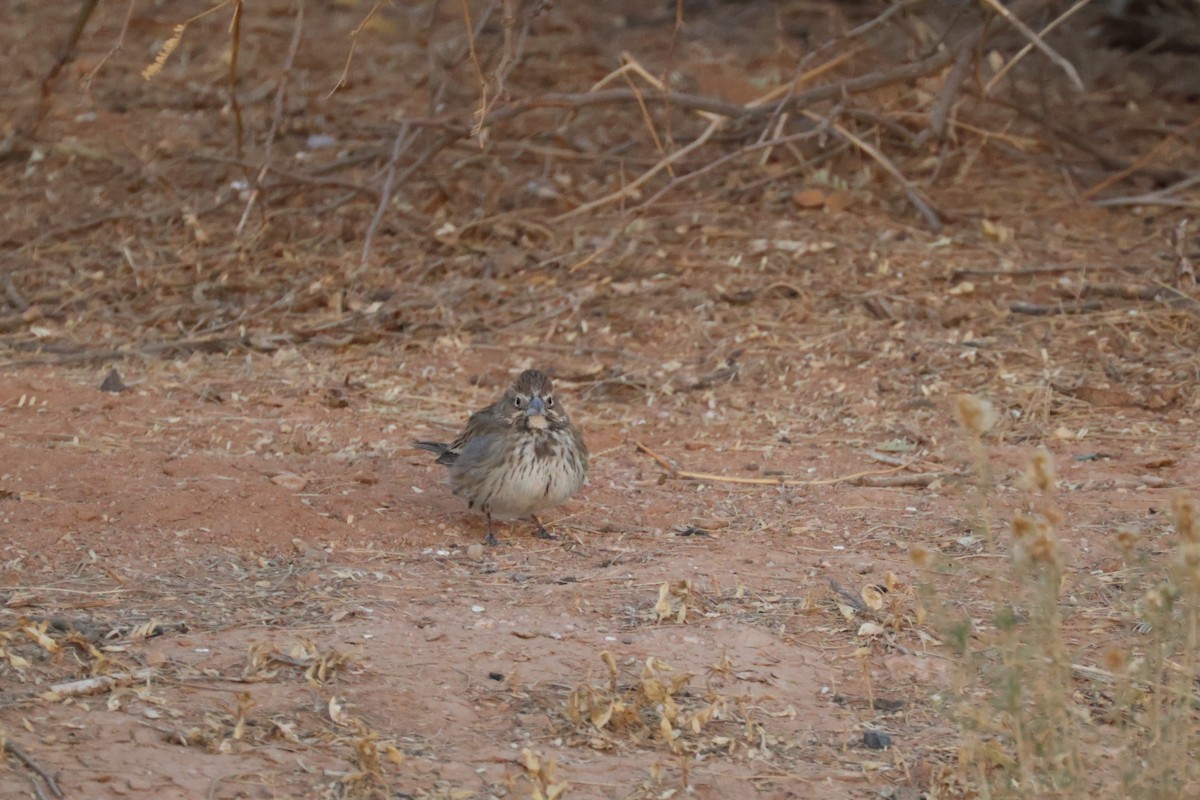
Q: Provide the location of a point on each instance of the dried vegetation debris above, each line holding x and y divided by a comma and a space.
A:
196, 292
39, 656
657, 707
799, 244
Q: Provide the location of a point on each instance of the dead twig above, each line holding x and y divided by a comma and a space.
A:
692, 102
631, 65
475, 65
918, 200
219, 344
807, 167
721, 111
436, 146
1154, 293
780, 481
939, 113
1082, 143
341, 81
848, 597
788, 90
289, 176
1162, 197
713, 126
28, 761
15, 298
64, 55
1050, 309
99, 683
854, 33
1141, 162
869, 82
12, 322
975, 272
97, 631
1036, 41
235, 46
897, 481
511, 48
87, 82
1024, 51
712, 165
400, 144
1185, 270
152, 217
37, 789
276, 115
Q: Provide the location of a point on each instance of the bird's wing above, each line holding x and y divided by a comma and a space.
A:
481, 423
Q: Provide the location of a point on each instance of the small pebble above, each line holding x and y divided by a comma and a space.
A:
877, 740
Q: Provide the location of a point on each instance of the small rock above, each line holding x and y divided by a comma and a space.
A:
290, 481
113, 383
877, 740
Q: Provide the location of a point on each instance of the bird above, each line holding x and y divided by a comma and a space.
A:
517, 457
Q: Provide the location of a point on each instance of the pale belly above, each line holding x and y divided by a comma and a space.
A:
529, 487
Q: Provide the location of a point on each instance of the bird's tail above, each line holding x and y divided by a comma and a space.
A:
444, 454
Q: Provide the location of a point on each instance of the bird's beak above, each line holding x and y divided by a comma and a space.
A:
535, 414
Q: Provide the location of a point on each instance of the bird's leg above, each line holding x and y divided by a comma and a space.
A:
491, 535
541, 531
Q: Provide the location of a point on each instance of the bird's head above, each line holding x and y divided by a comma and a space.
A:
529, 403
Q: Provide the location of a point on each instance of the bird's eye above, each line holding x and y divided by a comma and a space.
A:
549, 401
518, 402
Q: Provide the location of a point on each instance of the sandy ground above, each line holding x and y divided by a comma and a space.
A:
273, 595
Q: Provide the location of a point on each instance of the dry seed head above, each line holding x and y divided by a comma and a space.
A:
1128, 539
891, 581
1041, 471
1035, 541
1114, 659
920, 555
1185, 519
1043, 549
1023, 527
1189, 559
976, 415
164, 53
1158, 598
609, 662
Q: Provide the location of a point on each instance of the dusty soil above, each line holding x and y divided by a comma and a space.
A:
287, 600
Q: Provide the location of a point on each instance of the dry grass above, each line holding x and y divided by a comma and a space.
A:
1043, 713
732, 262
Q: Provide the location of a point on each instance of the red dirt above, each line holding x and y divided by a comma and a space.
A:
331, 624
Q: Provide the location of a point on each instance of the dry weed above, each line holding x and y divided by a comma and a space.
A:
1034, 720
658, 707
